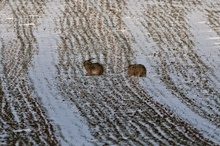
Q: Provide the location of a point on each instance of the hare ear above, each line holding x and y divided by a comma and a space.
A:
91, 59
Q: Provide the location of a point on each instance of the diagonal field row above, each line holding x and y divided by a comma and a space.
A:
117, 108
24, 121
179, 66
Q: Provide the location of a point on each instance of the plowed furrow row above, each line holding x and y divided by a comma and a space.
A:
117, 110
122, 116
181, 60
25, 121
187, 4
172, 121
117, 119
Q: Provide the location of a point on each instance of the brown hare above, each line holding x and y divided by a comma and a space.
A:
137, 70
93, 68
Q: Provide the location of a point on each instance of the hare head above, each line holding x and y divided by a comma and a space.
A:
137, 70
93, 68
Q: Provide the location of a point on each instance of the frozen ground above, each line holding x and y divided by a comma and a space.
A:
46, 99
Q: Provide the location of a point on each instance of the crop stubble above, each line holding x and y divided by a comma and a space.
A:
117, 108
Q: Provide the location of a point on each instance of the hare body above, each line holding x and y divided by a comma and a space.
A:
137, 70
93, 68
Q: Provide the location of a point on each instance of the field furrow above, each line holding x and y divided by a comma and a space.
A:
117, 108
25, 121
47, 99
180, 67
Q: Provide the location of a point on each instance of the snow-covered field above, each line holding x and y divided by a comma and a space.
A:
46, 99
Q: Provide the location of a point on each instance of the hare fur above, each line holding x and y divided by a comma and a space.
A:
137, 70
93, 68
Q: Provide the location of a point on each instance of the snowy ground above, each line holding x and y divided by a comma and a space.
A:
46, 99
